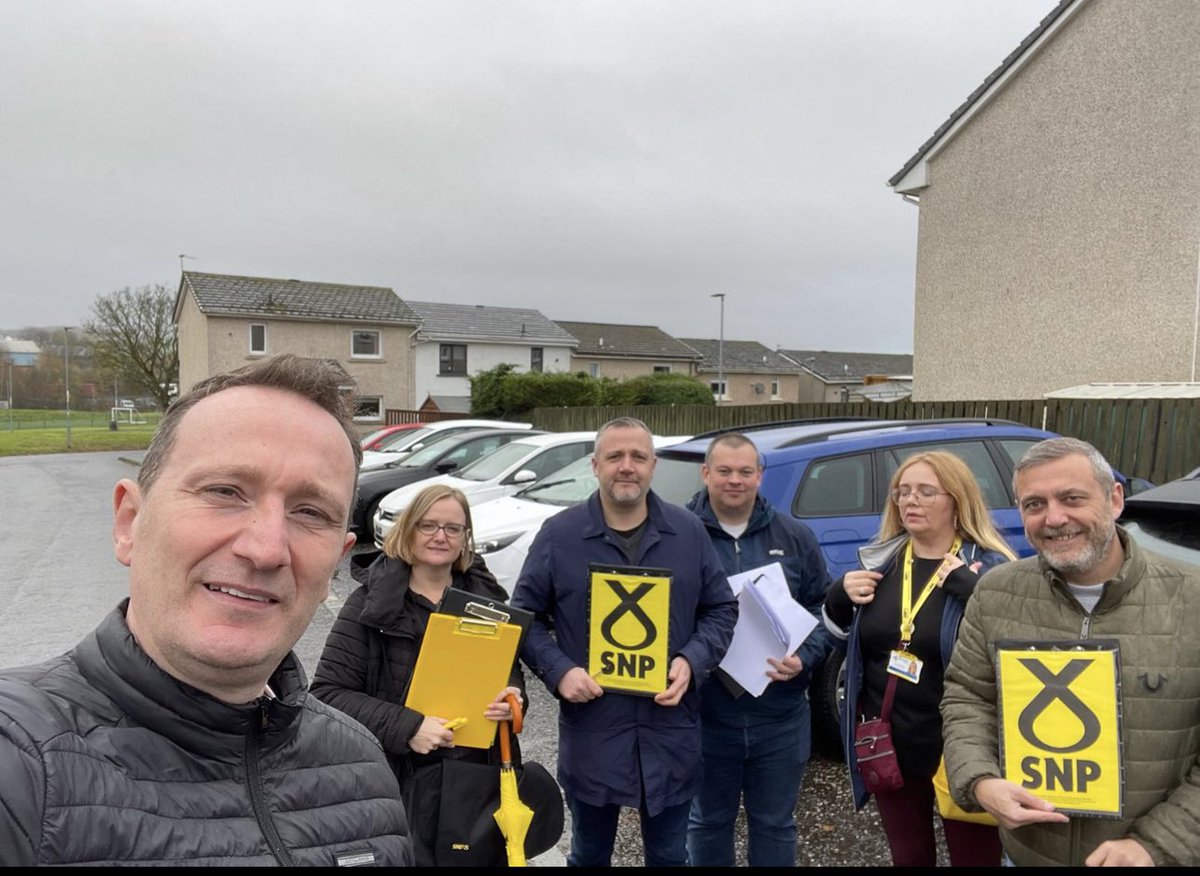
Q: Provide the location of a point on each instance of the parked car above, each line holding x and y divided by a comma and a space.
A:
502, 472
375, 440
455, 452
505, 527
1166, 519
392, 450
833, 474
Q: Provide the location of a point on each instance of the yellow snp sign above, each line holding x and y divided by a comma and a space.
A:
629, 610
1060, 722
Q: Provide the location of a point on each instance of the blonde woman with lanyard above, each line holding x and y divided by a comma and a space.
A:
899, 617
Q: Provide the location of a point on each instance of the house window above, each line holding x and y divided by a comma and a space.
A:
662, 369
535, 359
365, 344
719, 389
258, 338
775, 388
594, 369
453, 359
368, 409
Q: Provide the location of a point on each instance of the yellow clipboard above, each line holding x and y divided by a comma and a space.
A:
463, 663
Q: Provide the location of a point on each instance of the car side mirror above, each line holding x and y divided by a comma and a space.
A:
524, 476
446, 466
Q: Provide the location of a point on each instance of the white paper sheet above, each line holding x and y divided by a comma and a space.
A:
770, 624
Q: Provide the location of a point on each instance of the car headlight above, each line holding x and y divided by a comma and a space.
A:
496, 543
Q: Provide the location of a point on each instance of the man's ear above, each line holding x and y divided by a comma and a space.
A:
127, 501
1118, 499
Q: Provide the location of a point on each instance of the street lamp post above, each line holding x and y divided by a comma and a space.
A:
67, 377
720, 350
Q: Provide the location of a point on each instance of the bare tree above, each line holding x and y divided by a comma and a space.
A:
135, 338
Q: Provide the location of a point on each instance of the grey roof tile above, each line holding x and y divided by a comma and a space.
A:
834, 367
626, 341
470, 321
732, 357
221, 294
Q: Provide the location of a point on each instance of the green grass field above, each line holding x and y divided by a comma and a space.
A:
32, 431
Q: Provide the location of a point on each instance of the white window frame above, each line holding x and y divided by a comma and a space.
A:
719, 389
377, 417
541, 360
250, 338
660, 369
378, 354
775, 384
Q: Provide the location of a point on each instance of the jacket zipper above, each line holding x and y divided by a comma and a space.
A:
257, 799
1075, 833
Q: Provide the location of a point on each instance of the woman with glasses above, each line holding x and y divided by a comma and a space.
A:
898, 615
372, 649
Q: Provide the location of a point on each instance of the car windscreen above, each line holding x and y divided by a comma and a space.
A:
400, 440
427, 454
570, 485
495, 464
677, 480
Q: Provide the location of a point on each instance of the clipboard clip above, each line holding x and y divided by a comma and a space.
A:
487, 612
472, 627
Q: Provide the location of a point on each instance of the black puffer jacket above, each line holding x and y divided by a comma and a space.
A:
106, 759
372, 649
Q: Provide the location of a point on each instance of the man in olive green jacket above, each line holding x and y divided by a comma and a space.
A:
1089, 581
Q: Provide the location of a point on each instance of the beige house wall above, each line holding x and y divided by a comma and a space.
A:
1059, 234
228, 346
191, 336
739, 388
623, 369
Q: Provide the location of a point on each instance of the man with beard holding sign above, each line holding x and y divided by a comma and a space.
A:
1090, 586
608, 575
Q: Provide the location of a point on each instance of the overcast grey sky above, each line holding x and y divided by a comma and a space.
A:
598, 161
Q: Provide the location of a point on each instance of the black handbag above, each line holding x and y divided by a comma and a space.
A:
453, 824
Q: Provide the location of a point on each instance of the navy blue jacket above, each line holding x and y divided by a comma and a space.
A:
616, 746
769, 538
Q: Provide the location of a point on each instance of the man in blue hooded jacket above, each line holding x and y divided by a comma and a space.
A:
755, 749
617, 749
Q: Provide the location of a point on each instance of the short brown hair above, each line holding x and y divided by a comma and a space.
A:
321, 381
398, 542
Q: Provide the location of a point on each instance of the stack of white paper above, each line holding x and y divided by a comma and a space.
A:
770, 624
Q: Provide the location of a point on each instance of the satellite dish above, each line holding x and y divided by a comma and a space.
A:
758, 389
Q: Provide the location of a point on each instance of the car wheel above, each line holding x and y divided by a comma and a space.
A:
826, 695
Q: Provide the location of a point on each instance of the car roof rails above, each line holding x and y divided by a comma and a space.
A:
877, 424
779, 424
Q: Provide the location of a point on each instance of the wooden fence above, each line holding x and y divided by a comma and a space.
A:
1156, 439
397, 417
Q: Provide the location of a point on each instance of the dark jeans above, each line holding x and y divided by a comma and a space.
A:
907, 816
761, 766
594, 830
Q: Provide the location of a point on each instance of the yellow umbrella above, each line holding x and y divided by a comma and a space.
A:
513, 816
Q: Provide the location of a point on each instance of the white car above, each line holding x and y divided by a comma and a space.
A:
505, 527
403, 443
502, 472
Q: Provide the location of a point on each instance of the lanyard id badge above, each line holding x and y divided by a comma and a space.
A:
905, 665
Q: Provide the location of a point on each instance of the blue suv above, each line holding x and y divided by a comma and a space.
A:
833, 474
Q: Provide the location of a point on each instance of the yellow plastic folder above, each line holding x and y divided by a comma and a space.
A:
462, 665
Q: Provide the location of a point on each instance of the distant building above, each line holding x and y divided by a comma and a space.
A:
622, 351
224, 321
19, 352
456, 341
843, 376
752, 373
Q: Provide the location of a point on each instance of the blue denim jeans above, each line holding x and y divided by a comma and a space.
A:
594, 830
760, 765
